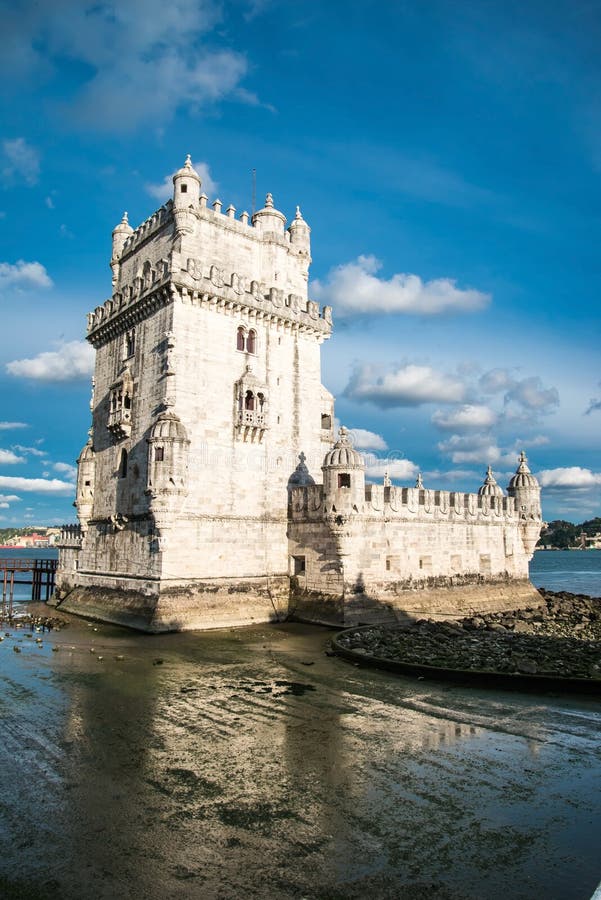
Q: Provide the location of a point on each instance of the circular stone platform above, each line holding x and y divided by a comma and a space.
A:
554, 646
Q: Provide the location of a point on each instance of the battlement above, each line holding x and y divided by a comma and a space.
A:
410, 504
202, 284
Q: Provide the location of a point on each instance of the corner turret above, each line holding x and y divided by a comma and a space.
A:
269, 220
525, 490
300, 234
343, 478
86, 476
120, 235
186, 194
490, 488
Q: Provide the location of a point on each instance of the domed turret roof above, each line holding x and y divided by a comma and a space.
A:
490, 488
523, 477
168, 427
342, 455
187, 170
123, 227
298, 221
87, 453
269, 210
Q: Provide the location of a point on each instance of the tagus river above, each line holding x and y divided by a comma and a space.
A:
248, 763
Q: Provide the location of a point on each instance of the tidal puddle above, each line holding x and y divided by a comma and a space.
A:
250, 764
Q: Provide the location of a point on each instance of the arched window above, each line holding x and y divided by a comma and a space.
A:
130, 343
123, 464
240, 339
251, 341
249, 401
127, 402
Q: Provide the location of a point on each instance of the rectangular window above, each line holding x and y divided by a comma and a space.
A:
425, 563
344, 480
326, 421
159, 454
485, 567
183, 188
455, 564
298, 565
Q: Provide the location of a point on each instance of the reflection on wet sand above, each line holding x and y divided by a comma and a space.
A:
250, 764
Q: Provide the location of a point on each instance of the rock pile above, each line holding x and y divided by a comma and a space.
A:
561, 638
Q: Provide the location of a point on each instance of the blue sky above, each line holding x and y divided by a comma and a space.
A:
447, 156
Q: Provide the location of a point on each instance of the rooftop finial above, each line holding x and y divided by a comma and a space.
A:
419, 481
124, 220
387, 481
298, 213
269, 201
188, 163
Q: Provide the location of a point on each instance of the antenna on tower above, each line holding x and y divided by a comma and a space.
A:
254, 199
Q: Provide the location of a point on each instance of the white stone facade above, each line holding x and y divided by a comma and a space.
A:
195, 511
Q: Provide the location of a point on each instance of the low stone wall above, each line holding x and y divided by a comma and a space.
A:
192, 605
388, 605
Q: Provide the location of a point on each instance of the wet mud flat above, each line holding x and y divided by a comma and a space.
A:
249, 763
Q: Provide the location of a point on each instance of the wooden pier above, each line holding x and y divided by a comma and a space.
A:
39, 573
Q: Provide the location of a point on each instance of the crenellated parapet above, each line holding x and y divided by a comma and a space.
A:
201, 284
408, 504
70, 537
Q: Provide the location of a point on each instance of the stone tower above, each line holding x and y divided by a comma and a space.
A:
207, 390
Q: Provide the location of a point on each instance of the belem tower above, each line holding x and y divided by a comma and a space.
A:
212, 490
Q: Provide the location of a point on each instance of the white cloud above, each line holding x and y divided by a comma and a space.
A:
8, 458
136, 62
367, 440
36, 485
73, 361
409, 385
355, 289
66, 469
476, 448
9, 498
573, 477
471, 417
32, 451
164, 190
401, 469
20, 160
496, 380
10, 426
23, 276
531, 396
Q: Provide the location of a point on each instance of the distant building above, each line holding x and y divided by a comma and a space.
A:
211, 491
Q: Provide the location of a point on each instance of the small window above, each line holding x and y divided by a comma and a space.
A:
388, 564
455, 563
251, 341
425, 563
485, 567
87, 483
130, 343
123, 464
326, 421
240, 339
159, 454
299, 565
344, 480
183, 188
127, 402
249, 401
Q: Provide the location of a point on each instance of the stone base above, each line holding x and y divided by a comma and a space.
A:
186, 606
452, 602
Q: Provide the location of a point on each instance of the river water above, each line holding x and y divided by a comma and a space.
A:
248, 764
